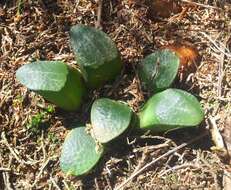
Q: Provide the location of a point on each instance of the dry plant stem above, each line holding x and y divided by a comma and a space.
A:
200, 4
220, 75
213, 173
159, 158
228, 54
142, 160
5, 169
154, 147
99, 14
217, 137
40, 172
66, 185
226, 180
178, 168
4, 141
6, 179
108, 182
54, 183
221, 70
96, 184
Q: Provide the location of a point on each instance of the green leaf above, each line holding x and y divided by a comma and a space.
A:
158, 70
55, 81
96, 54
109, 119
171, 109
79, 153
43, 75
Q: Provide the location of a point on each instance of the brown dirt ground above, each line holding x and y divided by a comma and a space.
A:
29, 153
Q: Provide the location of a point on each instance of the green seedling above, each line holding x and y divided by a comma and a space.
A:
109, 119
53, 138
55, 81
50, 109
39, 119
170, 109
96, 55
80, 152
158, 70
35, 122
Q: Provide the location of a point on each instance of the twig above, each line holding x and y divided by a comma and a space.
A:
66, 185
142, 160
99, 14
134, 174
211, 170
226, 180
54, 183
4, 140
178, 168
201, 5
96, 184
220, 75
153, 147
6, 179
8, 170
5, 169
221, 71
228, 54
40, 172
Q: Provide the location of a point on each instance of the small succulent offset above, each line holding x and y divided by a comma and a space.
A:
99, 62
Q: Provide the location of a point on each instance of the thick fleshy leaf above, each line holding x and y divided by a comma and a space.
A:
158, 70
170, 109
96, 54
43, 75
55, 81
109, 119
79, 153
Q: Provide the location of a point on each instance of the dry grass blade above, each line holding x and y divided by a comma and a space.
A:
99, 14
226, 180
133, 175
222, 49
177, 168
201, 5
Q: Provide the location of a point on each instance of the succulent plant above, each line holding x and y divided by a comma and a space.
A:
99, 62
96, 55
